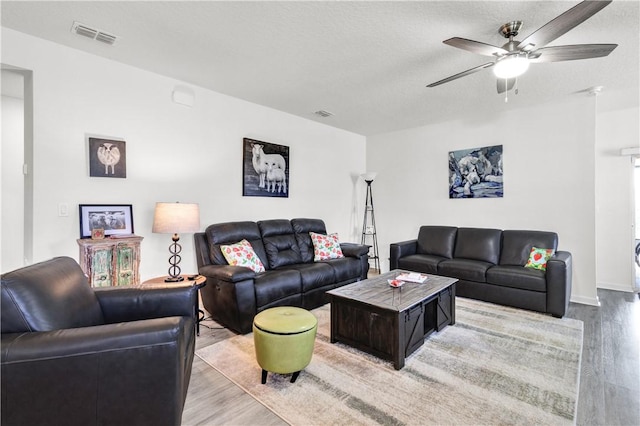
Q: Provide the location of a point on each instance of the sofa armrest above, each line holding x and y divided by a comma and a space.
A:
230, 295
121, 304
83, 373
361, 252
401, 249
354, 250
559, 274
227, 273
84, 341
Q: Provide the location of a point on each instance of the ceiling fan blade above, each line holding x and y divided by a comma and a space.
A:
562, 24
461, 74
504, 85
475, 46
571, 52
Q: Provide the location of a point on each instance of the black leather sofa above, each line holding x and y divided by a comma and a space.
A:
74, 355
235, 294
489, 264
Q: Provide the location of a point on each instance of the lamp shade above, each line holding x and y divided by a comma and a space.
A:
176, 218
511, 66
369, 176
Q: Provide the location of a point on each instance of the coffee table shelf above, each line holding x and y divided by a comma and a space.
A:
391, 323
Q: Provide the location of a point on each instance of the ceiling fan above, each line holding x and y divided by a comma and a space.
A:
513, 58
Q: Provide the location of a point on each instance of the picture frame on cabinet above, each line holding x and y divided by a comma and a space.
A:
115, 219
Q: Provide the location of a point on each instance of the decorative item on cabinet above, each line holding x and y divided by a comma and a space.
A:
111, 261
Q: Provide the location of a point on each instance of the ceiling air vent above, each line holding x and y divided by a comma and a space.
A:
105, 38
92, 33
323, 113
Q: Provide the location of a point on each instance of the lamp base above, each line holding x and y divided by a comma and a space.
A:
174, 279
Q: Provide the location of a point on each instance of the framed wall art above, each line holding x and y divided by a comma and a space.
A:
114, 219
476, 173
265, 169
107, 158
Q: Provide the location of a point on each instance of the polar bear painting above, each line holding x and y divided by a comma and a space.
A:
476, 173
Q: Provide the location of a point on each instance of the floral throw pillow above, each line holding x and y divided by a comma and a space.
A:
538, 258
325, 246
242, 254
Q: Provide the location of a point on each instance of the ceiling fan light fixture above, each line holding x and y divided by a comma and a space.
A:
511, 66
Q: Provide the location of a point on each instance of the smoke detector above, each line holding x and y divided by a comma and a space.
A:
93, 33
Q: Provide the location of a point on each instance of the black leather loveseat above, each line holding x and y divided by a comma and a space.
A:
73, 355
233, 295
489, 264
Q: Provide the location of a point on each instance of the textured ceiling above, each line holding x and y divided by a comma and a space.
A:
368, 62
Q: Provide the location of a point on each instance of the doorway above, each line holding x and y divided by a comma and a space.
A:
16, 227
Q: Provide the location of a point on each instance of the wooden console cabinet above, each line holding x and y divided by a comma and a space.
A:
112, 261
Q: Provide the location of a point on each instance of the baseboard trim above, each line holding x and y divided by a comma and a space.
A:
583, 300
616, 287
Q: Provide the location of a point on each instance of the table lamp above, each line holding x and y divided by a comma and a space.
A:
175, 218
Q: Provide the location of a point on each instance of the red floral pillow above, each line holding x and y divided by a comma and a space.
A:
325, 246
538, 258
242, 254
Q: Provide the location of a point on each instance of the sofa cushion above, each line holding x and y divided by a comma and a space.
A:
517, 277
325, 246
346, 268
437, 240
231, 233
279, 243
464, 269
538, 258
302, 227
420, 263
478, 244
50, 295
271, 286
516, 245
242, 254
314, 275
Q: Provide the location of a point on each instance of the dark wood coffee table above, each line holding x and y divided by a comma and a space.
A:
391, 323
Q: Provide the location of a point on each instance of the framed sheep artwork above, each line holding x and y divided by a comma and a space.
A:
476, 173
265, 169
107, 158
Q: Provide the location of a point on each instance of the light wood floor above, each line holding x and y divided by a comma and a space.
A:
609, 380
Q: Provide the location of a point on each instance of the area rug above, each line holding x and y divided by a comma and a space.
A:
496, 365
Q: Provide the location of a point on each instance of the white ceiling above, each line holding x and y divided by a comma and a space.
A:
368, 62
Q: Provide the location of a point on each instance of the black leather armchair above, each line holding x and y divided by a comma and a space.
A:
74, 355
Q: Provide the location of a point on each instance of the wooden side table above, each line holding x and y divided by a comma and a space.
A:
198, 282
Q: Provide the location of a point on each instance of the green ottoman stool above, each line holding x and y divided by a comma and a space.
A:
284, 339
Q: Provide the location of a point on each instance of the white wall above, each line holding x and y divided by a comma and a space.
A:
174, 153
548, 171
